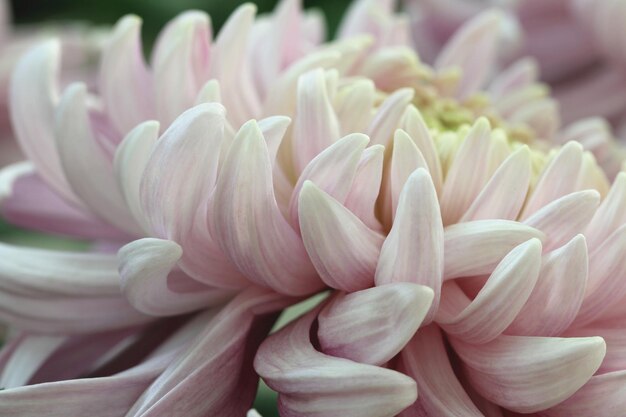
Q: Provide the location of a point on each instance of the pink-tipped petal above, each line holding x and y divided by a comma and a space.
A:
333, 170
564, 218
147, 276
414, 249
313, 384
264, 246
125, 82
87, 168
558, 294
31, 354
504, 194
425, 359
315, 125
497, 304
530, 374
181, 63
373, 325
475, 248
342, 248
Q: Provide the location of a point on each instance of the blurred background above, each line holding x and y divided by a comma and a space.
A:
155, 13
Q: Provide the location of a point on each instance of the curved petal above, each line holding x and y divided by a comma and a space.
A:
565, 217
361, 200
181, 63
146, 266
31, 354
333, 170
34, 96
264, 246
87, 169
475, 248
342, 248
497, 304
314, 384
388, 116
504, 194
530, 374
610, 215
125, 82
315, 124
425, 359
373, 325
414, 249
354, 104
558, 295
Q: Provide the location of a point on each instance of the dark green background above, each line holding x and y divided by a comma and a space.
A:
154, 12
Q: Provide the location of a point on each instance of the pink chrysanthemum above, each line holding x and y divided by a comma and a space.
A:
466, 260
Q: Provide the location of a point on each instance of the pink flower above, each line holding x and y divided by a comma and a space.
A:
240, 175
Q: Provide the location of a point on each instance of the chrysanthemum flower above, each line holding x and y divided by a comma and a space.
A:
241, 175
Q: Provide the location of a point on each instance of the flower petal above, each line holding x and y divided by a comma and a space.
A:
343, 250
530, 374
125, 82
373, 325
314, 384
497, 304
504, 194
361, 200
414, 249
147, 269
264, 246
388, 116
425, 359
475, 248
610, 215
88, 170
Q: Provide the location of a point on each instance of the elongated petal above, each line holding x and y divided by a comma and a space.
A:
388, 116
414, 125
504, 194
530, 374
87, 168
264, 246
181, 63
23, 364
170, 191
504, 294
315, 125
354, 105
425, 359
610, 215
147, 272
414, 249
475, 248
606, 268
361, 200
27, 201
558, 178
125, 82
565, 217
131, 159
33, 97
405, 159
460, 189
559, 292
333, 170
274, 128
472, 49
373, 325
314, 384
343, 250
222, 354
